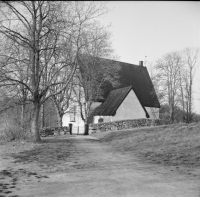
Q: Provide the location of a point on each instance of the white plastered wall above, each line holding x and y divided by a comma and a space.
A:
78, 119
130, 108
105, 118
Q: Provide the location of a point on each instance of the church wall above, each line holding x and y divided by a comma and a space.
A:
130, 108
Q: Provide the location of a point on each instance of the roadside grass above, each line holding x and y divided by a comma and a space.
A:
172, 145
51, 152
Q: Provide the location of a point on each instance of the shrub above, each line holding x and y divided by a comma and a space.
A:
12, 129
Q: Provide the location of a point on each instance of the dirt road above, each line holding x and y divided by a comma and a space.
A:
85, 167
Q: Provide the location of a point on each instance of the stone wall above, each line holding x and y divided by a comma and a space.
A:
106, 126
46, 131
124, 124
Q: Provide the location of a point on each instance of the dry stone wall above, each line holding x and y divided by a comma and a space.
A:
46, 131
124, 124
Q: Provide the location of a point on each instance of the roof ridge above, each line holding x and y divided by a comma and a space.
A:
131, 87
113, 93
135, 76
115, 60
114, 96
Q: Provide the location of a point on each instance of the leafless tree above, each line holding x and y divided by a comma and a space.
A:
169, 68
92, 75
62, 102
42, 31
19, 63
93, 72
156, 80
86, 33
51, 35
190, 57
96, 73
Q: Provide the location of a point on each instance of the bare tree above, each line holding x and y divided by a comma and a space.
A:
49, 33
190, 56
169, 67
156, 80
39, 33
19, 64
94, 72
93, 75
62, 102
85, 34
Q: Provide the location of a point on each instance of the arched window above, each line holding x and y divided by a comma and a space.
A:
100, 120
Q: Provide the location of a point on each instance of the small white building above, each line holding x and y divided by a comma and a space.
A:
133, 98
121, 104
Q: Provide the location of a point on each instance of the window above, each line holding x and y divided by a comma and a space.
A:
73, 114
100, 119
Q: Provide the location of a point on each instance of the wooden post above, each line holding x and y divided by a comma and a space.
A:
70, 128
86, 129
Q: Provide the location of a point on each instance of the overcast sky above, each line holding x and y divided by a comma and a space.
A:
153, 28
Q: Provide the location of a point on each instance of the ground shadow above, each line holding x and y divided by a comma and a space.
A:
50, 152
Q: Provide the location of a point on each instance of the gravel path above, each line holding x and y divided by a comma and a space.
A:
85, 167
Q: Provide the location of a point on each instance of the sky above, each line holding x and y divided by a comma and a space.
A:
152, 29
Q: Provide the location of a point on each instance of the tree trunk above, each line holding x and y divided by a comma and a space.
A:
171, 113
190, 99
182, 97
86, 129
60, 117
22, 116
42, 115
35, 121
86, 126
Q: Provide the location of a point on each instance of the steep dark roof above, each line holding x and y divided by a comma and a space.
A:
113, 101
137, 77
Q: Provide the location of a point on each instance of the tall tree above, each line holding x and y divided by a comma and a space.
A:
95, 74
62, 102
51, 35
190, 56
19, 64
86, 33
37, 28
156, 80
168, 67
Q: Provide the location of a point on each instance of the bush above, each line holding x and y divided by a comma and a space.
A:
12, 129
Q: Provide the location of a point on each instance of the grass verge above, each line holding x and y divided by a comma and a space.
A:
171, 145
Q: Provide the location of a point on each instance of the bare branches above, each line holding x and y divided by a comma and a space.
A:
190, 56
169, 67
44, 46
176, 72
